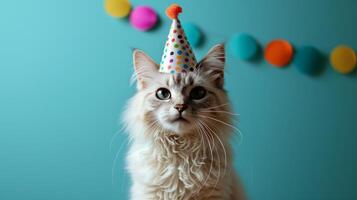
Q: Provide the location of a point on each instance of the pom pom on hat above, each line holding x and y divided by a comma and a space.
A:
178, 56
173, 11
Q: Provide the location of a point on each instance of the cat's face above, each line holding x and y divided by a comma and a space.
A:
180, 103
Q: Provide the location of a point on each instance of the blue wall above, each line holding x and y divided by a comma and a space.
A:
64, 79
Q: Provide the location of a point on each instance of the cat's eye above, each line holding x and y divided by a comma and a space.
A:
198, 93
163, 94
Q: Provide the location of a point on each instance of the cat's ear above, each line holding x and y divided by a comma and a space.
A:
213, 65
146, 70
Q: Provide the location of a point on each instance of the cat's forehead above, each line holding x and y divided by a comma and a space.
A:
181, 80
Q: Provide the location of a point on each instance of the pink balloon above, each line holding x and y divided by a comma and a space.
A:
143, 18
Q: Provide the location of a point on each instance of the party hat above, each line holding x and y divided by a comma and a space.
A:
178, 56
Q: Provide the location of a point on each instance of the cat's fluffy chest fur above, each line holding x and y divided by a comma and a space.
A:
178, 168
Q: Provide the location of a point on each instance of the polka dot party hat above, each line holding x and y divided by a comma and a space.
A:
178, 56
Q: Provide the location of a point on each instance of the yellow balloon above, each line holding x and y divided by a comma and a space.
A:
117, 8
343, 59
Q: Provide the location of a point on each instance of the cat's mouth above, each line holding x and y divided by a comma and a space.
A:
180, 119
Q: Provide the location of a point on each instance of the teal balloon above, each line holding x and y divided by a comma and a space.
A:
308, 60
193, 33
243, 46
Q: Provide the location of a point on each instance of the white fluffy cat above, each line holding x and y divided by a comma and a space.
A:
179, 128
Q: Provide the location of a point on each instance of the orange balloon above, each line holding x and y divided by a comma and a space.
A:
279, 53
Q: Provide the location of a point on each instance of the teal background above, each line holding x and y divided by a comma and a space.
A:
64, 78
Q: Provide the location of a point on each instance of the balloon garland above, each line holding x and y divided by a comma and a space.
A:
142, 18
279, 53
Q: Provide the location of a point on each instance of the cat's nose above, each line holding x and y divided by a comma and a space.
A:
180, 107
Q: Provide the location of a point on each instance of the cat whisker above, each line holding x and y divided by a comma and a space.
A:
203, 144
204, 149
225, 123
211, 158
126, 140
114, 136
213, 107
219, 162
218, 155
219, 111
200, 163
220, 141
200, 129
156, 129
153, 123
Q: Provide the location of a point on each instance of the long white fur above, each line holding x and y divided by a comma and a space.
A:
180, 162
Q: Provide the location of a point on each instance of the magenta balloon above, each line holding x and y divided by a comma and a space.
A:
143, 18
